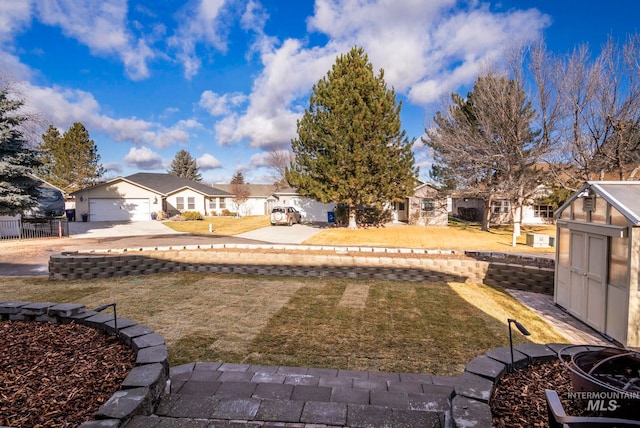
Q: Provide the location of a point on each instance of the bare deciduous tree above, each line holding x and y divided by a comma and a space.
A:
488, 143
278, 161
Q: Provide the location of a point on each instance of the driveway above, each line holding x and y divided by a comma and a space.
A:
296, 234
108, 229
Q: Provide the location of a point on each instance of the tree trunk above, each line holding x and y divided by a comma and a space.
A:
516, 213
352, 217
486, 213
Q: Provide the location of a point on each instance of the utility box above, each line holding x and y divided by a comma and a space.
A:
537, 240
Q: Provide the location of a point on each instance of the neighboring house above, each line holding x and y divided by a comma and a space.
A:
426, 207
311, 210
533, 212
137, 196
259, 201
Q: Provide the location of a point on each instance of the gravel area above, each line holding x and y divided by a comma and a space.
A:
57, 375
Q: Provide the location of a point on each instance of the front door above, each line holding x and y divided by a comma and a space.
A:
588, 278
400, 211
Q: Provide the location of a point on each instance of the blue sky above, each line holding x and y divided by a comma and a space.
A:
227, 79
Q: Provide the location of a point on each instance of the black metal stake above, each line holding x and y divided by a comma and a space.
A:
115, 314
522, 330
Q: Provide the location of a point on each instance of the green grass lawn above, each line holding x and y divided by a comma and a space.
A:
322, 322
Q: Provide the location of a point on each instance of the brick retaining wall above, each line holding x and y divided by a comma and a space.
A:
523, 273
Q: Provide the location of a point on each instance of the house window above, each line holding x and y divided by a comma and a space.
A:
501, 206
179, 203
191, 203
428, 207
223, 203
543, 211
212, 204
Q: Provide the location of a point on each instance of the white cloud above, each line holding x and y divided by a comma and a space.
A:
260, 159
14, 16
219, 105
66, 106
207, 162
270, 118
427, 49
102, 26
200, 22
254, 17
143, 158
113, 167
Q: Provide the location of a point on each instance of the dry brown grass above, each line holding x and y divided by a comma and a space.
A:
221, 225
457, 236
380, 325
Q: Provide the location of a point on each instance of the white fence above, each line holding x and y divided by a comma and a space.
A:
33, 228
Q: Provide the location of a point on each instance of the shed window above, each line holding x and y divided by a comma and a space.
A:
618, 262
428, 207
543, 211
617, 218
179, 203
563, 246
578, 213
599, 214
191, 203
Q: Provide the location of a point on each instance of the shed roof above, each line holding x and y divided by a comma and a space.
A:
623, 195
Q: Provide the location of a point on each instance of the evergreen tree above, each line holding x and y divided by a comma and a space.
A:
18, 189
183, 165
237, 178
350, 147
240, 192
70, 161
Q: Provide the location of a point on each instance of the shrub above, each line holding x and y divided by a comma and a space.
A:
227, 213
192, 215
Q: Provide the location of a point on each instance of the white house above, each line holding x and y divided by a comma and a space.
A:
136, 197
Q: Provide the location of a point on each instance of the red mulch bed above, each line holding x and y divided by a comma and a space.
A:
519, 401
57, 375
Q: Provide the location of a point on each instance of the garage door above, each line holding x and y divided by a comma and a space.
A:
119, 209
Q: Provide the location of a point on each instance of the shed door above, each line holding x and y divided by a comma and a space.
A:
588, 268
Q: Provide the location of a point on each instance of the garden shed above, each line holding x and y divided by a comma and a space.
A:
597, 276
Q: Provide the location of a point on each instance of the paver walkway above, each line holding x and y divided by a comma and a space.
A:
570, 327
234, 395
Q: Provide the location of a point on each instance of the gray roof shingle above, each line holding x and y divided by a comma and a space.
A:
169, 183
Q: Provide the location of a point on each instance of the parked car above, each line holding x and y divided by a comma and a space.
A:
284, 215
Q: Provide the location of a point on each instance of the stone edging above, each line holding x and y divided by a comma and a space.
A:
142, 388
526, 273
474, 387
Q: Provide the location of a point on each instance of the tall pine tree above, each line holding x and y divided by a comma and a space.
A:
18, 189
70, 161
183, 165
350, 147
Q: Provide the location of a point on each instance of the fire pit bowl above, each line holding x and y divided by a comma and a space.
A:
607, 377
